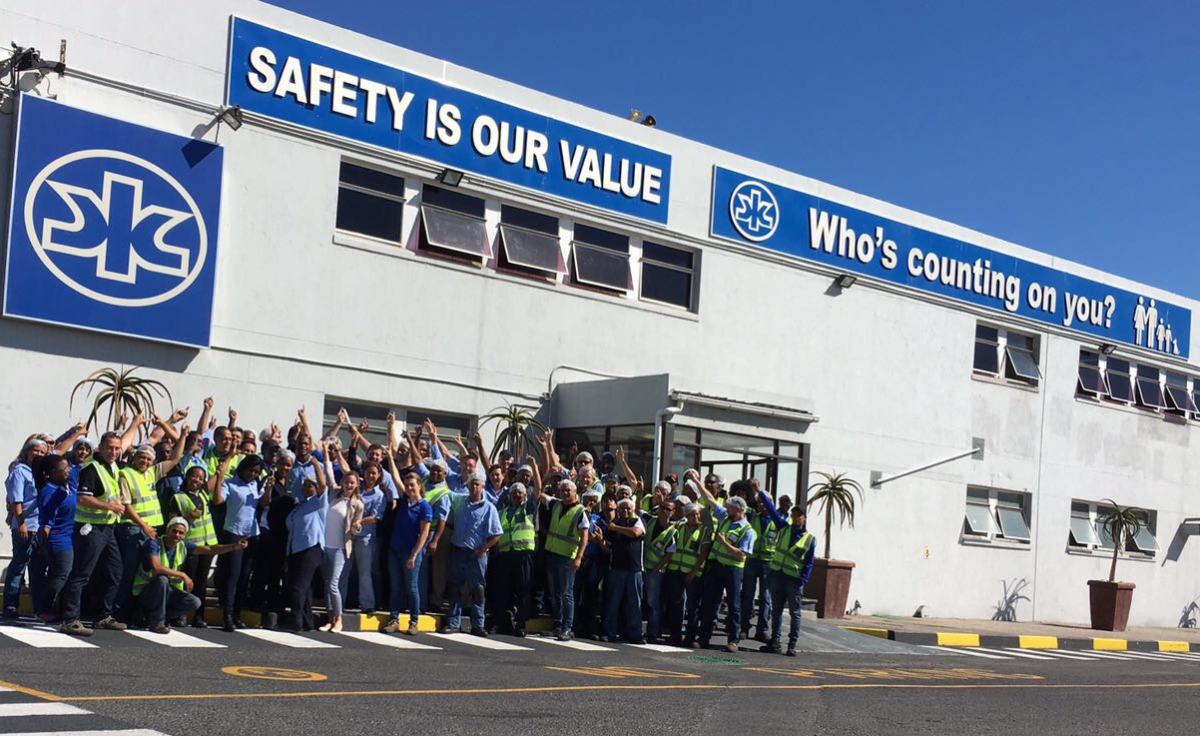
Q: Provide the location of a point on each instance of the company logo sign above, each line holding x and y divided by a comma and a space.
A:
754, 211
114, 226
789, 221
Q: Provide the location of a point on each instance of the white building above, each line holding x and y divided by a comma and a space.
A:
668, 290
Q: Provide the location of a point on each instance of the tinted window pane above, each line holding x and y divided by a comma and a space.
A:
451, 200
455, 232
663, 254
531, 250
529, 220
1024, 342
1179, 399
983, 332
1012, 524
1082, 531
666, 285
1021, 364
1091, 380
362, 176
1150, 393
602, 268
602, 238
987, 357
378, 217
1120, 387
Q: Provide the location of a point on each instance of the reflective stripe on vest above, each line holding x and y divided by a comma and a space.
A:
112, 492
201, 531
658, 539
790, 555
564, 536
143, 497
434, 495
733, 535
516, 531
174, 562
687, 548
766, 535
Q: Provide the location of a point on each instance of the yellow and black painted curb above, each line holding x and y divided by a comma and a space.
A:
962, 639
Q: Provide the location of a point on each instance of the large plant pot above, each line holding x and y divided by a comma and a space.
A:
1110, 604
829, 584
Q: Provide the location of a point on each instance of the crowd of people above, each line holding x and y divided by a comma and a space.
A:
127, 529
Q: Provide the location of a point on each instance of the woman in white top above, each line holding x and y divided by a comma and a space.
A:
342, 522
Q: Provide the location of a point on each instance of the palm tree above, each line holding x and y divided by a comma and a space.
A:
122, 392
517, 425
835, 493
1121, 524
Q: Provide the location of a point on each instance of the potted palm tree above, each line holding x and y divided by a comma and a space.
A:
121, 392
1111, 599
519, 429
830, 579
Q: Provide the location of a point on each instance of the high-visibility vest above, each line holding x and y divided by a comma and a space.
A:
516, 531
171, 559
734, 536
437, 493
766, 534
658, 539
143, 497
112, 492
201, 530
792, 551
564, 537
688, 544
212, 462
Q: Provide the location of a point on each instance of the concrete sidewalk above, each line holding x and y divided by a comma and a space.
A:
1027, 635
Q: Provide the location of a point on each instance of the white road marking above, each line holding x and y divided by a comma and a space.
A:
10, 710
113, 732
582, 646
387, 640
1054, 653
175, 638
1012, 653
1081, 654
1146, 655
44, 638
1111, 655
287, 639
663, 648
1182, 656
482, 643
970, 652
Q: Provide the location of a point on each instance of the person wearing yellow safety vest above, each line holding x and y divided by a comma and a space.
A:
566, 539
754, 580
143, 513
658, 549
733, 543
684, 583
193, 503
514, 557
161, 589
97, 510
791, 565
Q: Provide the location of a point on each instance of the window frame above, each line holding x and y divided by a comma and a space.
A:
597, 247
1102, 547
505, 263
996, 499
1007, 371
1142, 402
1083, 390
691, 271
390, 197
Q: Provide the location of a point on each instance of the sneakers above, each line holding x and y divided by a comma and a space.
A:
160, 628
391, 627
75, 628
111, 624
412, 626
563, 635
791, 650
731, 647
557, 632
770, 648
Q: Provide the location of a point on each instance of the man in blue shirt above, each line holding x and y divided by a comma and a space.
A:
733, 543
476, 530
161, 589
20, 494
790, 569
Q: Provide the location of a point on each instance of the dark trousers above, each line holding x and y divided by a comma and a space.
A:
692, 598
513, 575
95, 552
160, 602
58, 567
589, 603
269, 565
302, 567
130, 538
755, 580
672, 599
233, 573
197, 568
721, 581
24, 555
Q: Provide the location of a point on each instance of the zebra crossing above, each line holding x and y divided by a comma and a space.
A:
21, 713
1094, 656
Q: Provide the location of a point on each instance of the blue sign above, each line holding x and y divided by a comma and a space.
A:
749, 210
113, 226
291, 79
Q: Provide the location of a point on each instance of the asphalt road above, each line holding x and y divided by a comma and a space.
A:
362, 686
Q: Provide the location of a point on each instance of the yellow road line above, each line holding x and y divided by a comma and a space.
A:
1038, 642
28, 690
945, 639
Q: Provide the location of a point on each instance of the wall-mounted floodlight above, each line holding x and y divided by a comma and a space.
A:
846, 280
649, 121
450, 177
1107, 348
231, 116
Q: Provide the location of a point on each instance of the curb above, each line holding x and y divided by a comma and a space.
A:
962, 639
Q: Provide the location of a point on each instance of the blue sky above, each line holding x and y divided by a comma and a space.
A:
1070, 129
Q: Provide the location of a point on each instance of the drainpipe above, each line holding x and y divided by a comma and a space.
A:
660, 420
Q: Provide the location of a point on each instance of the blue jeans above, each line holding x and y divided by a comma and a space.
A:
718, 580
58, 566
624, 588
233, 573
363, 554
405, 588
755, 578
466, 574
161, 602
560, 575
333, 568
130, 539
23, 553
785, 589
652, 583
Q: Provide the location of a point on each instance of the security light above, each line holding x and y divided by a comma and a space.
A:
650, 122
450, 177
845, 281
231, 116
1107, 348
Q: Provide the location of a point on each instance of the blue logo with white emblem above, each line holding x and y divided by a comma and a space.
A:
754, 211
113, 226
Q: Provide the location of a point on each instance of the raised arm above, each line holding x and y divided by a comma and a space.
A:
63, 444
216, 484
342, 418
391, 462
205, 415
480, 448
631, 476
166, 466
131, 434
393, 434
772, 511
